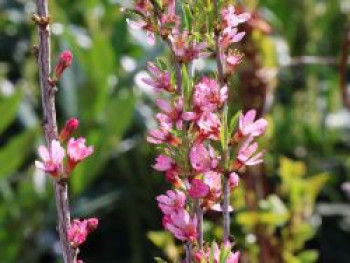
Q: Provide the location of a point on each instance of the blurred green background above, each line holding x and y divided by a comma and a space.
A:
292, 209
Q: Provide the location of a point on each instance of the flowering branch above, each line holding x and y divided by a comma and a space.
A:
52, 156
50, 125
193, 119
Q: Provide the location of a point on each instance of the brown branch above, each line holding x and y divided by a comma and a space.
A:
50, 125
199, 213
343, 68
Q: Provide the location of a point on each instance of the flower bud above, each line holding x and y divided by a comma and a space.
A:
92, 224
64, 61
71, 125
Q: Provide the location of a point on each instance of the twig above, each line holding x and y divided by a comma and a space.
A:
50, 125
199, 214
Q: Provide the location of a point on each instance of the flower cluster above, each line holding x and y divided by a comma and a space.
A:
229, 34
217, 254
160, 18
53, 162
53, 156
201, 155
79, 230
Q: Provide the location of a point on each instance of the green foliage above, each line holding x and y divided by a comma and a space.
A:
9, 109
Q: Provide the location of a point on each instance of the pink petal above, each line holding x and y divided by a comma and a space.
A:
151, 39
189, 116
249, 117
43, 153
40, 165
164, 106
238, 37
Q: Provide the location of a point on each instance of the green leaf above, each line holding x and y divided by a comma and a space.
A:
308, 256
165, 241
161, 64
9, 109
160, 260
118, 116
248, 218
186, 85
212, 251
14, 153
234, 121
188, 16
224, 252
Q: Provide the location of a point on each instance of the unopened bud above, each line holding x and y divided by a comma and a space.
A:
64, 61
71, 125
234, 180
92, 224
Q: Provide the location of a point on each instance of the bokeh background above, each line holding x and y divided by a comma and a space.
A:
295, 208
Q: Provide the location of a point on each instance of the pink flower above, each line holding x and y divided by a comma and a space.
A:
208, 96
231, 19
142, 6
182, 226
92, 224
52, 158
173, 114
213, 180
209, 125
179, 43
166, 164
172, 176
151, 39
64, 61
233, 257
232, 61
79, 229
77, 151
249, 127
169, 21
162, 136
234, 180
245, 154
229, 36
201, 159
196, 50
187, 49
172, 202
160, 80
198, 189
166, 220
71, 125
164, 121
163, 163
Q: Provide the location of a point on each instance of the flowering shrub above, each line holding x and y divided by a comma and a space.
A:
202, 153
72, 234
53, 163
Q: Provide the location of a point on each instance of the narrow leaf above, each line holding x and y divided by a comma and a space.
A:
234, 121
